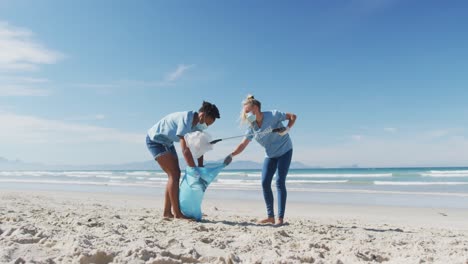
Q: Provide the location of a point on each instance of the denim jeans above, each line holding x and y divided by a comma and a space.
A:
270, 166
157, 149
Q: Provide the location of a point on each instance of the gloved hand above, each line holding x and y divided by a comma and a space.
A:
283, 131
228, 160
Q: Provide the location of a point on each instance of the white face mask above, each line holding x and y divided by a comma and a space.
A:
251, 117
201, 127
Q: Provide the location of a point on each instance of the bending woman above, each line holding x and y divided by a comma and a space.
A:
278, 149
160, 142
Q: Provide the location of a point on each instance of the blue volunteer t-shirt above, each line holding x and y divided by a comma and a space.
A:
168, 129
274, 144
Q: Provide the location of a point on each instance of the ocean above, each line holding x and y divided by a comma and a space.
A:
419, 187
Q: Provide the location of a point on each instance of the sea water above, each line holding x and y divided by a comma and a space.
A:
422, 187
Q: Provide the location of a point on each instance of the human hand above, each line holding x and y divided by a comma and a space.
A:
283, 131
194, 171
228, 160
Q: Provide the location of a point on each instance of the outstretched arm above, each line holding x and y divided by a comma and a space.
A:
237, 151
240, 147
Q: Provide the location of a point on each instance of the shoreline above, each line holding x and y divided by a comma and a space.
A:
437, 217
325, 196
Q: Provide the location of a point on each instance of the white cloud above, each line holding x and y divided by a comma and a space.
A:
108, 88
437, 133
21, 90
20, 52
22, 79
415, 150
99, 117
98, 85
357, 137
22, 86
390, 129
177, 74
29, 129
88, 118
169, 80
35, 139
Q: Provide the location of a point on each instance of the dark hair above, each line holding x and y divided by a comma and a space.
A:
209, 109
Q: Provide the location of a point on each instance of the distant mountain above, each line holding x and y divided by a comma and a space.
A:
6, 164
152, 165
244, 165
239, 165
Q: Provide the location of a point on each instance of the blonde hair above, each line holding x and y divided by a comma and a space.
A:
249, 100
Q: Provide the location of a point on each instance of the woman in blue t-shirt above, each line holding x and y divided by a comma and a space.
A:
160, 142
278, 149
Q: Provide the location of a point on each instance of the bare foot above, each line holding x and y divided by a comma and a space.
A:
182, 217
280, 222
168, 215
269, 220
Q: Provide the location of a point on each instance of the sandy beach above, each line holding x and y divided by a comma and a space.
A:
59, 227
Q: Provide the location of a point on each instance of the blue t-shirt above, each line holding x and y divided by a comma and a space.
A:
168, 129
274, 144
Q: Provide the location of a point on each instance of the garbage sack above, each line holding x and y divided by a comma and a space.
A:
198, 143
193, 187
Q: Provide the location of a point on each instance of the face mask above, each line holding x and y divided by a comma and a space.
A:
201, 127
251, 117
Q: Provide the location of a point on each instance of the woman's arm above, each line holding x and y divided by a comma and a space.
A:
240, 147
237, 151
186, 152
292, 119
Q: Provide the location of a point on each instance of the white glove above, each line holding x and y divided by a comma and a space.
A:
284, 131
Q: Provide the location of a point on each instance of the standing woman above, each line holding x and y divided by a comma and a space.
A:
160, 142
278, 149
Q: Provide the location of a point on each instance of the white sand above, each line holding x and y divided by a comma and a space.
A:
46, 227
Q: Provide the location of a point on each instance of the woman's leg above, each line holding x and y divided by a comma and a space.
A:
283, 167
170, 164
167, 204
269, 168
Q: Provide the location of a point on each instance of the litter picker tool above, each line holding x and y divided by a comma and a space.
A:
267, 131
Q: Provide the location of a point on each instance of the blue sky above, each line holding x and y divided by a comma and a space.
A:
373, 82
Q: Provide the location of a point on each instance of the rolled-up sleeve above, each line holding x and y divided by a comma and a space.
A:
279, 116
249, 134
182, 127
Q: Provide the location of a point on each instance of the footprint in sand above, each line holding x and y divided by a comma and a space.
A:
8, 232
99, 257
206, 240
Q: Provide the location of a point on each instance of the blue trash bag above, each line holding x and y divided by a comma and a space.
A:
193, 187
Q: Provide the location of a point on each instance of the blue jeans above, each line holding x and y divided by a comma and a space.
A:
270, 166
